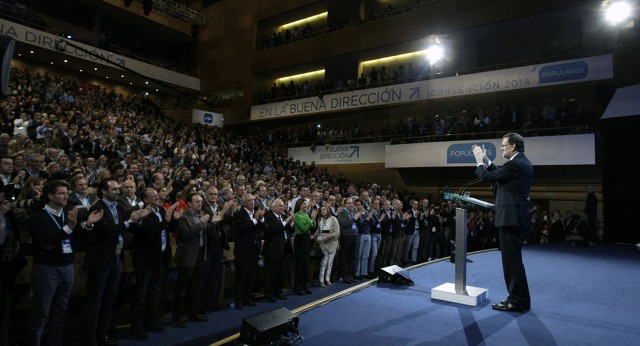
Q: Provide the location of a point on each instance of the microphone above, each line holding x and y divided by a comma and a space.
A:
464, 186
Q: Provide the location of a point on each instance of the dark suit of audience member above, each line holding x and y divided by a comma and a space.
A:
103, 263
275, 249
128, 204
397, 235
386, 218
82, 201
189, 258
54, 232
216, 244
151, 250
513, 215
348, 235
248, 226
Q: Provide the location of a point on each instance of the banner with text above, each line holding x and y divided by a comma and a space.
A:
199, 116
532, 76
541, 151
52, 42
340, 154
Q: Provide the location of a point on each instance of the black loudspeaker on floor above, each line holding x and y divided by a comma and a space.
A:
274, 327
395, 275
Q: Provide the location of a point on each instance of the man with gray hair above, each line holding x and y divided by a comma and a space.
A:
275, 249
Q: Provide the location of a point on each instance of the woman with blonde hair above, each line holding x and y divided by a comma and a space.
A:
327, 238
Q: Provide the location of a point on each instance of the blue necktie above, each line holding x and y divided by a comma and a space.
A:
114, 212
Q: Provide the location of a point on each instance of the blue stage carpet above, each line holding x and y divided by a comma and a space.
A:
580, 296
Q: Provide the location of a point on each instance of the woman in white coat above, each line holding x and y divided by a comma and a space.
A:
327, 238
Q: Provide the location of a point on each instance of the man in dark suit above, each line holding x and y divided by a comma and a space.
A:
103, 263
191, 234
34, 167
216, 244
275, 248
80, 198
151, 252
513, 183
247, 225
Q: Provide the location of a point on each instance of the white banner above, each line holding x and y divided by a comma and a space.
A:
199, 116
49, 41
340, 154
541, 151
532, 76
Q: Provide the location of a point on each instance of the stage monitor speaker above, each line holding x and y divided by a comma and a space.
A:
266, 327
395, 275
7, 44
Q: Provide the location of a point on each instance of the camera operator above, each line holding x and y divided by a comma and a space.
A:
9, 177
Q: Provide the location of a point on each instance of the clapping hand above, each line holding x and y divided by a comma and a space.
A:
217, 218
94, 217
140, 214
480, 153
205, 218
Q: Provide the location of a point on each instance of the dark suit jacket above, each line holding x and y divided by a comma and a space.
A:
410, 228
188, 238
216, 236
147, 242
83, 213
387, 224
247, 235
513, 183
275, 245
103, 238
126, 207
398, 224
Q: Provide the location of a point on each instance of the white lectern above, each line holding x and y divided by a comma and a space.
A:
459, 292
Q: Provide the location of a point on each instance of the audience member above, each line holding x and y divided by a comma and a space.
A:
276, 247
248, 226
54, 231
190, 234
303, 225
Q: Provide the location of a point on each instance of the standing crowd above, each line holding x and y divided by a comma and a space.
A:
107, 182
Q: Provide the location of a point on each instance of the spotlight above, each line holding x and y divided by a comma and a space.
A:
147, 6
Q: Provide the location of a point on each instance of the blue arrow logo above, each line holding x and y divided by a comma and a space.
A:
355, 151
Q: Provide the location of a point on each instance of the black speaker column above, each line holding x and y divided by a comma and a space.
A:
7, 45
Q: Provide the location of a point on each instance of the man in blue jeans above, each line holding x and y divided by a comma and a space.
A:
55, 233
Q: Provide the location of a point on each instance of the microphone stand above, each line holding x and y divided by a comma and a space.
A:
464, 186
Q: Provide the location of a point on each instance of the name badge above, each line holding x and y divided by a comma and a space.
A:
120, 239
319, 237
163, 237
66, 246
354, 227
